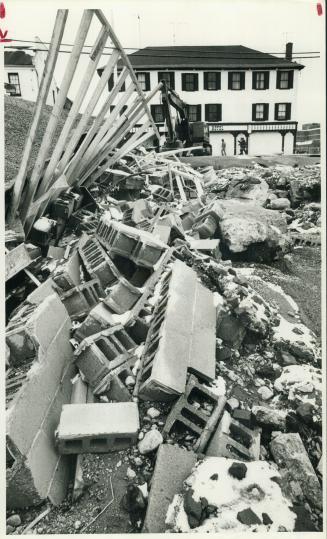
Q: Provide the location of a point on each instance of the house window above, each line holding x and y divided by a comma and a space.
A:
260, 112
236, 80
13, 79
194, 113
260, 80
282, 111
285, 80
157, 114
213, 112
122, 88
144, 81
168, 77
190, 82
211, 80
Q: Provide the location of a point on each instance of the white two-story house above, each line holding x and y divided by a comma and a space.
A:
239, 92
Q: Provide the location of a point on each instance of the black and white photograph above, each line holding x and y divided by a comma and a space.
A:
163, 224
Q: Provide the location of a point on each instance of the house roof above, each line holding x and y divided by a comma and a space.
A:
211, 57
18, 58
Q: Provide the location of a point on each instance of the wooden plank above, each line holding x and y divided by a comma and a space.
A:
73, 167
127, 63
16, 260
57, 110
46, 80
88, 111
93, 61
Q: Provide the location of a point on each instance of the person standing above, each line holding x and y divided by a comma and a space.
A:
223, 147
242, 144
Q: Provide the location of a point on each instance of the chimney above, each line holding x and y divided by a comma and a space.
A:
289, 51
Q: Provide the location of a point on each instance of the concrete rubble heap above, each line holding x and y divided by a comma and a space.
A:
144, 338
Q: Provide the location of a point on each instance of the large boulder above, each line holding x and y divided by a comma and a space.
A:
245, 224
250, 188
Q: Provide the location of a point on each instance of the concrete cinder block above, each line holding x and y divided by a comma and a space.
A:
122, 296
36, 329
98, 319
173, 466
80, 299
44, 290
235, 441
103, 352
67, 273
97, 428
138, 245
98, 263
295, 468
181, 336
194, 419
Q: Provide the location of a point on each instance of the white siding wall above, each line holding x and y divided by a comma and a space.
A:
236, 104
29, 82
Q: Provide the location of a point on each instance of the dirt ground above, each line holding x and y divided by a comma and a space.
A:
219, 162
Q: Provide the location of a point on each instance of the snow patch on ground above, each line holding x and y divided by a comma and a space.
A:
256, 491
302, 382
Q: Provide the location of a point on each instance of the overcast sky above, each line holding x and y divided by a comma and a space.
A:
264, 25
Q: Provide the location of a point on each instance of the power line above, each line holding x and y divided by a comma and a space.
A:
169, 50
172, 57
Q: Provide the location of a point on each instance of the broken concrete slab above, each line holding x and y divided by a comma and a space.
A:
244, 226
296, 469
173, 466
97, 428
16, 260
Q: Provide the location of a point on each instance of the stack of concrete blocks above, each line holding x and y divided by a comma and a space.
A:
137, 245
98, 355
181, 338
36, 471
97, 427
233, 440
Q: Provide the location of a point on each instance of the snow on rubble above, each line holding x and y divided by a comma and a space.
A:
228, 496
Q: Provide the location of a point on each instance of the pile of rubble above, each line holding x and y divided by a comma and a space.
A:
130, 331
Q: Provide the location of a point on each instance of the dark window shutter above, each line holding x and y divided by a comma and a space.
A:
111, 82
266, 111
147, 82
196, 82
205, 81
288, 111
278, 79
290, 79
242, 81
183, 81
198, 113
267, 80
172, 81
276, 111
253, 113
254, 80
230, 80
219, 113
218, 81
153, 112
206, 113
